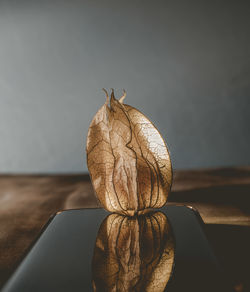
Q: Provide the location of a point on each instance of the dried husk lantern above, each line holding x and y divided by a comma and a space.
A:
128, 160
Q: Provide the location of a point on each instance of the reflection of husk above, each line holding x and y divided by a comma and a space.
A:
133, 253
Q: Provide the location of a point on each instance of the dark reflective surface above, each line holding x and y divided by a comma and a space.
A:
79, 249
133, 253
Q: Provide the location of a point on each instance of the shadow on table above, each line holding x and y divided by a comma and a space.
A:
236, 195
231, 246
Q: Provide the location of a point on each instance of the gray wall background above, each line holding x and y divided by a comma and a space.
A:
185, 64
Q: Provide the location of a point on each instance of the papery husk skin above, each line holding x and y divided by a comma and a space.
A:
133, 253
128, 160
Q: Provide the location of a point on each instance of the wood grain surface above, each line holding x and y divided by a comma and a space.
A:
222, 196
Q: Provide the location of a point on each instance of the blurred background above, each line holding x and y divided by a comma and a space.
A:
185, 64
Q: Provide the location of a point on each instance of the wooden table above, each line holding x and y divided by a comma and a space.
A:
222, 196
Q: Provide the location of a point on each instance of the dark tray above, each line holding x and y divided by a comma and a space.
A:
62, 257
